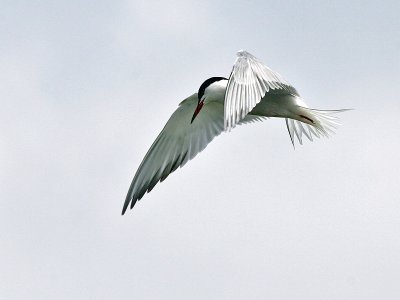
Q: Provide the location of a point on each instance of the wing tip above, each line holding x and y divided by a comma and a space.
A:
125, 207
244, 53
128, 200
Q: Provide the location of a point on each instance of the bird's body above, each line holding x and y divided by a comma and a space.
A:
252, 92
280, 103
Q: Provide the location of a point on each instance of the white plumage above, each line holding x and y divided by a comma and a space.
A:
252, 92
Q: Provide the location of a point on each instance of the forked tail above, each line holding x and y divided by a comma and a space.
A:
312, 123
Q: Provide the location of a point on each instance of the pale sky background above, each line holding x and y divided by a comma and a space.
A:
86, 86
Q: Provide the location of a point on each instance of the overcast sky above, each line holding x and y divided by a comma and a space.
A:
86, 86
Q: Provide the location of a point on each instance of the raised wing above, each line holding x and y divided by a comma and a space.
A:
178, 142
250, 80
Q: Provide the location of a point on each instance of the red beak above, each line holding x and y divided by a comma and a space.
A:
196, 112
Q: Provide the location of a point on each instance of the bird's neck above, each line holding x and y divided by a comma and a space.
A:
216, 91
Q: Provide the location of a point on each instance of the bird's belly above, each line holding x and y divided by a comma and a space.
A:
277, 105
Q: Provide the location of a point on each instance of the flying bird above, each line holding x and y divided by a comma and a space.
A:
252, 92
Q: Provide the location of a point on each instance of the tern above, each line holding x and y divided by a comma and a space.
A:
252, 92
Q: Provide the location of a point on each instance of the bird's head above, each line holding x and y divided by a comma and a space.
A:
205, 93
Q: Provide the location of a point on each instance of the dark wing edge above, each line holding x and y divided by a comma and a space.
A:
178, 142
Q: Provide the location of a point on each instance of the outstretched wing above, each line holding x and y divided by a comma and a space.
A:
249, 81
178, 142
